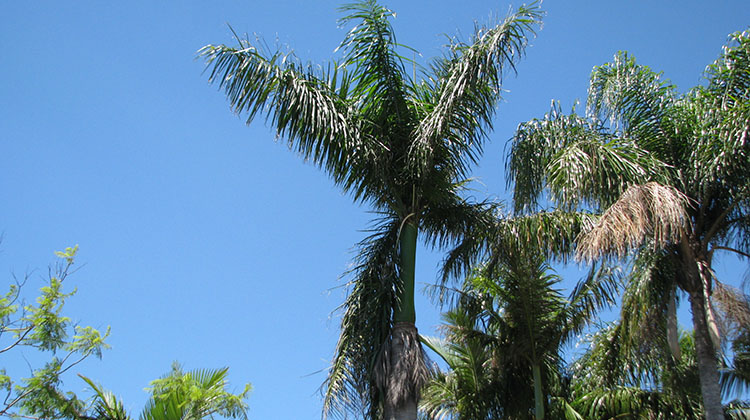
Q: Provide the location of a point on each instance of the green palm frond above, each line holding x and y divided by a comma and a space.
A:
551, 233
577, 162
194, 395
106, 406
366, 324
632, 98
311, 108
370, 48
598, 290
467, 88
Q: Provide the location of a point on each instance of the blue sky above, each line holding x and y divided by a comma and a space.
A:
205, 241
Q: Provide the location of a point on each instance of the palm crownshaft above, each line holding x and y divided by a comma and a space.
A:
401, 145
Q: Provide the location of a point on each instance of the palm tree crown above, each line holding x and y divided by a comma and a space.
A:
669, 173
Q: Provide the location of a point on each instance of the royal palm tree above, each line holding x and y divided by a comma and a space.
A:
669, 173
400, 144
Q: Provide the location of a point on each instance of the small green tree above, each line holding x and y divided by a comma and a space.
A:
42, 326
505, 340
178, 395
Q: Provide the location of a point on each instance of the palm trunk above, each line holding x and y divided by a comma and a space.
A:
706, 358
538, 396
673, 336
405, 311
406, 367
400, 395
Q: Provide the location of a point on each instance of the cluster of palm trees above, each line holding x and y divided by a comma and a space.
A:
647, 179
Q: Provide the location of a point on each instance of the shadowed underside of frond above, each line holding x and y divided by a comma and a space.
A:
649, 211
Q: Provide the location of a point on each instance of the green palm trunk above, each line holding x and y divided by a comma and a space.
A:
404, 341
405, 312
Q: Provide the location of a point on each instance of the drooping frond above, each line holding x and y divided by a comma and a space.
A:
647, 323
612, 382
734, 308
365, 326
598, 290
551, 233
106, 406
650, 211
467, 88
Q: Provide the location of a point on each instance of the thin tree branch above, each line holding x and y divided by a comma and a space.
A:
726, 248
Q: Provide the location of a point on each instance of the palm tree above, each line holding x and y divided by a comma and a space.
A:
506, 335
404, 146
669, 173
616, 379
195, 395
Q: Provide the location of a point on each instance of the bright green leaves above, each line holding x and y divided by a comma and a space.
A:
42, 326
88, 340
194, 395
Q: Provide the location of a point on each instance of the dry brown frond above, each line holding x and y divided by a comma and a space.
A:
734, 306
650, 211
402, 366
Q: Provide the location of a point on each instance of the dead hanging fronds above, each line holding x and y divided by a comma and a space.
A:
650, 211
734, 307
402, 366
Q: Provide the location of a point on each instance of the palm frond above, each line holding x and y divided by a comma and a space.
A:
194, 395
575, 161
307, 106
598, 290
365, 326
466, 91
106, 406
370, 48
650, 211
633, 99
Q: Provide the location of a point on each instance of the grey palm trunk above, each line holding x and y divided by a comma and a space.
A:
696, 281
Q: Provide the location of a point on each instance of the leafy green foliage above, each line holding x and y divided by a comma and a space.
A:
195, 395
42, 326
612, 379
505, 338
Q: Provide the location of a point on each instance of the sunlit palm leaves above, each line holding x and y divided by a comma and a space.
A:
195, 395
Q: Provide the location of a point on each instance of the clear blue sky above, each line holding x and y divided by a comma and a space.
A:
202, 239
